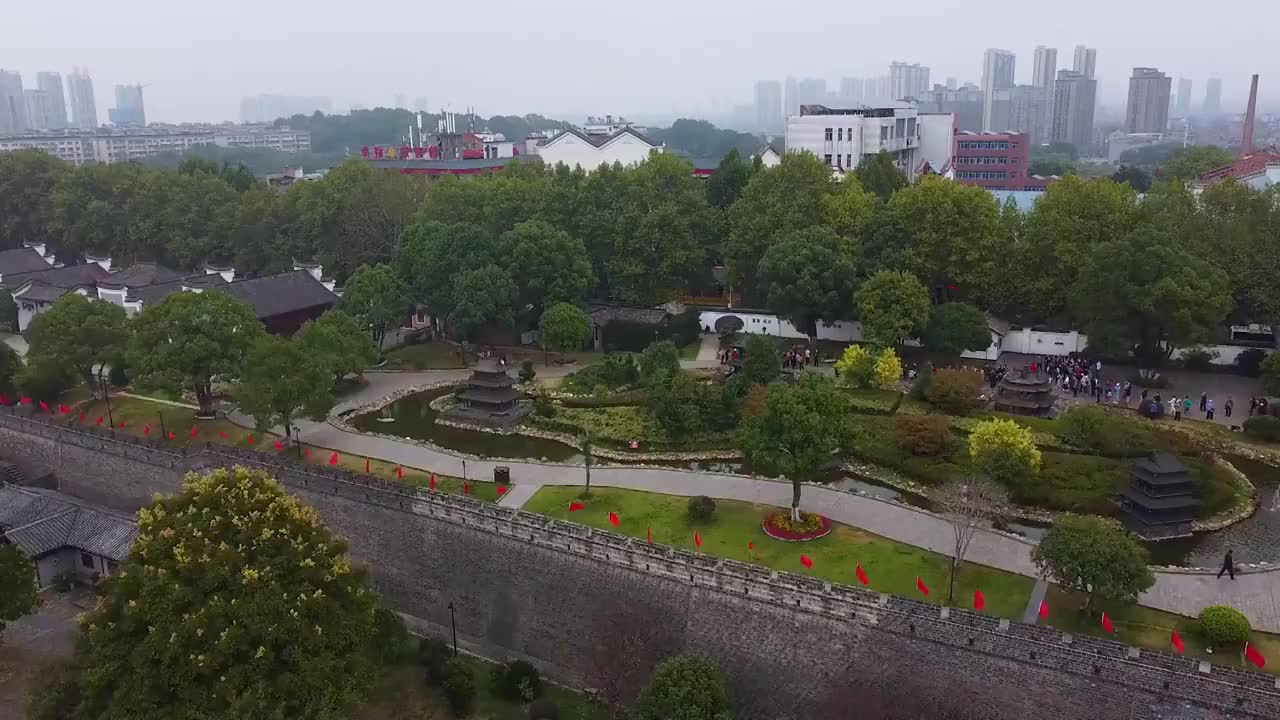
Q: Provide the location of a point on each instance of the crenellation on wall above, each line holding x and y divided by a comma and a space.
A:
527, 586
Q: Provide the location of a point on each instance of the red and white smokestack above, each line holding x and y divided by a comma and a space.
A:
1246, 143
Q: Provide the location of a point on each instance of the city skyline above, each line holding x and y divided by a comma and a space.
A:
379, 59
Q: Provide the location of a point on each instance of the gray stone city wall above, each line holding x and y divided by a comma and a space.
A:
581, 602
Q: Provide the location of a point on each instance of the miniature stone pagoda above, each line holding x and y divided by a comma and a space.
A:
1160, 504
489, 398
1024, 393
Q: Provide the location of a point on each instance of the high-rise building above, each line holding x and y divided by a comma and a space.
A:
813, 90
769, 106
398, 101
13, 106
1043, 76
1018, 109
39, 109
1074, 96
1086, 61
84, 109
51, 83
997, 72
1148, 107
1213, 96
964, 103
952, 83
1183, 106
907, 80
129, 109
791, 98
850, 91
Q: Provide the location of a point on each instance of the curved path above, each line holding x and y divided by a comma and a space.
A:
1186, 593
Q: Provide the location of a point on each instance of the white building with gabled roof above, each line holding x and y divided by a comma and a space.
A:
575, 148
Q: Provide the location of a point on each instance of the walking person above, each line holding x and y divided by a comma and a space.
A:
1175, 408
1208, 411
1228, 566
1204, 399
1253, 405
1186, 405
1227, 406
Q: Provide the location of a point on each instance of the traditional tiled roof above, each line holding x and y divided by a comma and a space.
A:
606, 314
67, 277
143, 274
1251, 164
151, 294
279, 294
40, 523
596, 140
40, 291
21, 260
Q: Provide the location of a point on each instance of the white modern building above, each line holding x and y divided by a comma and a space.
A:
841, 138
112, 146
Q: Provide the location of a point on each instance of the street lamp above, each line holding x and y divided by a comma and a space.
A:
453, 622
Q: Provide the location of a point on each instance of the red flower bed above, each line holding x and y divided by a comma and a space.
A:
779, 526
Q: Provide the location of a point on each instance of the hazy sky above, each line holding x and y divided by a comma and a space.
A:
569, 57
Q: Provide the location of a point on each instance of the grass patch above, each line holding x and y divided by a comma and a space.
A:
138, 414
891, 566
402, 694
617, 426
689, 351
426, 356
1151, 628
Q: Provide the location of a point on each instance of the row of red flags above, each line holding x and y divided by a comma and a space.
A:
979, 600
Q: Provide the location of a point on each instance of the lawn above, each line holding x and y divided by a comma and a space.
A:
426, 356
690, 350
617, 426
1150, 628
138, 414
891, 566
402, 694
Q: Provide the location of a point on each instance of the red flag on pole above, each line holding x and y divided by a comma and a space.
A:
573, 506
146, 429
862, 575
1044, 610
81, 418
502, 489
400, 475
121, 424
433, 481
806, 561
44, 405
1252, 655
172, 436
1106, 624
333, 459
250, 439
306, 451
193, 431
613, 519
222, 434
466, 488
366, 465
751, 546
924, 589
99, 420
979, 600
649, 532
64, 409
279, 446
1177, 641
26, 401
697, 539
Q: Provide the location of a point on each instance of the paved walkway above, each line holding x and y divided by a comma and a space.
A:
1257, 594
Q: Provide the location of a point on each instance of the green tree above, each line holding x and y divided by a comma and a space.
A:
377, 298
809, 277
659, 363
1271, 373
880, 175
338, 343
8, 312
1003, 450
564, 327
1237, 229
280, 380
481, 297
547, 265
235, 603
675, 403
730, 179
892, 306
91, 207
800, 429
27, 180
1095, 556
17, 584
887, 370
81, 336
760, 361
685, 688
699, 138
188, 339
434, 254
1136, 177
1145, 295
856, 367
1051, 165
10, 366
946, 234
1187, 163
1073, 217
954, 328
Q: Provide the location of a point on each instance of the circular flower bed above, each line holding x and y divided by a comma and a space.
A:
779, 526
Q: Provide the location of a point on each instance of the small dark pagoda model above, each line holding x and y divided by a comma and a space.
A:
489, 398
1024, 393
1160, 504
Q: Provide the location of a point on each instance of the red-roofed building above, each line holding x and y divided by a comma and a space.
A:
1258, 170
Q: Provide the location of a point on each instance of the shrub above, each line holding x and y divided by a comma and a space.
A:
955, 391
1263, 427
924, 379
887, 371
1199, 359
544, 709
1249, 362
897, 403
434, 654
614, 371
701, 508
659, 362
1004, 451
43, 382
685, 687
527, 373
517, 682
543, 406
921, 434
687, 326
459, 687
1223, 626
393, 641
760, 363
856, 367
1090, 428
118, 376
808, 523
1269, 369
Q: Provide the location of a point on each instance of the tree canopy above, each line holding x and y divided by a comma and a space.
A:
564, 327
81, 336
809, 276
17, 584
893, 306
1096, 556
954, 328
376, 297
880, 176
281, 380
235, 603
338, 343
685, 688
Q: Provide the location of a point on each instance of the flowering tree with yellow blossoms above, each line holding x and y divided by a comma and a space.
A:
235, 603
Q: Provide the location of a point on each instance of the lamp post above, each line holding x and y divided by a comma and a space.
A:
453, 622
106, 395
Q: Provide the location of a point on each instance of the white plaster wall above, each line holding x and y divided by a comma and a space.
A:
576, 152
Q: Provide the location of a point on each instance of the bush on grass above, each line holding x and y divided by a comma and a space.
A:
434, 654
701, 508
921, 434
527, 373
1264, 427
516, 681
394, 642
1090, 428
459, 687
1199, 359
43, 382
1004, 451
117, 375
543, 406
955, 391
1223, 626
920, 386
